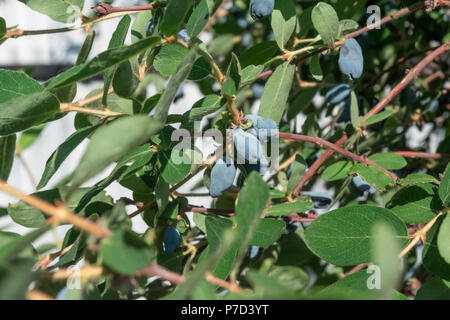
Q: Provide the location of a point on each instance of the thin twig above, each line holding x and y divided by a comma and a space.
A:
412, 74
413, 154
421, 233
58, 212
315, 166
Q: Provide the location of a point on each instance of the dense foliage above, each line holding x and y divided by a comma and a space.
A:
269, 233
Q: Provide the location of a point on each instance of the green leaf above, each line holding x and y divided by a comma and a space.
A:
379, 117
373, 176
199, 17
434, 289
125, 252
443, 239
293, 250
162, 108
301, 204
207, 105
86, 48
343, 236
355, 287
258, 54
267, 233
416, 204
416, 178
389, 160
200, 70
431, 256
326, 22
444, 186
13, 245
337, 171
110, 142
7, 152
140, 24
117, 40
233, 77
172, 170
315, 69
15, 279
284, 21
298, 171
66, 11
29, 137
101, 62
250, 73
276, 92
31, 217
215, 232
354, 111
174, 16
126, 78
62, 152
267, 287
16, 84
2, 27
302, 101
169, 58
347, 25
26, 111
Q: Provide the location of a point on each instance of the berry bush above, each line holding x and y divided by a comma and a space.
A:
316, 190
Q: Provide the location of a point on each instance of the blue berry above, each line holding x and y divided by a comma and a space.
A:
321, 200
261, 8
252, 252
254, 118
222, 177
266, 129
345, 115
171, 239
184, 35
257, 90
62, 294
248, 147
338, 93
358, 186
351, 61
151, 27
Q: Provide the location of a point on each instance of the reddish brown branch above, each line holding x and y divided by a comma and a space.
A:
354, 270
412, 74
265, 74
315, 166
392, 16
413, 154
220, 212
159, 271
325, 144
104, 8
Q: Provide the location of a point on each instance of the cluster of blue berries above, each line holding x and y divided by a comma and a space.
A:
249, 152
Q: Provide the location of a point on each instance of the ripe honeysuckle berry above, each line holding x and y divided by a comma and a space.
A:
351, 61
171, 239
266, 129
184, 35
358, 186
222, 177
261, 8
62, 294
150, 27
257, 90
291, 227
252, 252
338, 93
254, 119
321, 200
248, 147
346, 113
